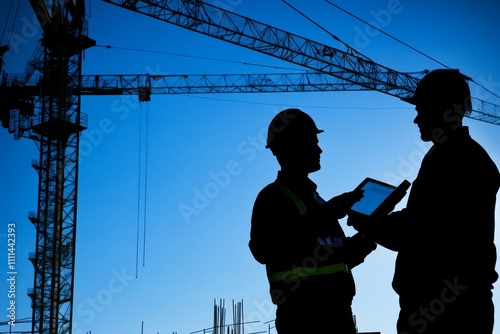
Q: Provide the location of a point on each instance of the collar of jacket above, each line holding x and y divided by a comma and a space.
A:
296, 185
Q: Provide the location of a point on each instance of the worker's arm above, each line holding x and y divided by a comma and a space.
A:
387, 231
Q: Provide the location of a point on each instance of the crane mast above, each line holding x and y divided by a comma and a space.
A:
54, 121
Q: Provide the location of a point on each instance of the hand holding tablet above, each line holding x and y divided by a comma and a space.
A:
379, 198
341, 205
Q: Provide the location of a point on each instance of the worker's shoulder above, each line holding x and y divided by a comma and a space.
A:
272, 198
272, 190
478, 155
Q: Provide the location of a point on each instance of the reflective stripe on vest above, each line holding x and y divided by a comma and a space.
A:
298, 202
301, 272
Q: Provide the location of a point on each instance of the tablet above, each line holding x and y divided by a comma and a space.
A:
379, 197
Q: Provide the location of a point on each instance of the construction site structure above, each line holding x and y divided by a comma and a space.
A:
238, 321
347, 66
49, 111
52, 117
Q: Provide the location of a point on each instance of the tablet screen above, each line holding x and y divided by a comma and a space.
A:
375, 193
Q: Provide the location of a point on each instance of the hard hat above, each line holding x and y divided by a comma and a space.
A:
444, 87
287, 124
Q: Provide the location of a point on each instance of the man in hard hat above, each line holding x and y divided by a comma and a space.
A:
297, 236
445, 267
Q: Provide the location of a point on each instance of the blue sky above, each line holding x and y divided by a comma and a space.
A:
205, 154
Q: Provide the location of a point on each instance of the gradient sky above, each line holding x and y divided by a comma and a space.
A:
205, 155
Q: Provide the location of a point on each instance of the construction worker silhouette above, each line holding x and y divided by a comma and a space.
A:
444, 238
297, 236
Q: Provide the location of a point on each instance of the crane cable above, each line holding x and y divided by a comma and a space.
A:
388, 35
5, 26
6, 21
142, 161
139, 166
146, 159
349, 48
197, 57
407, 45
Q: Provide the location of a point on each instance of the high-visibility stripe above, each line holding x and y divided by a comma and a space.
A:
298, 202
302, 272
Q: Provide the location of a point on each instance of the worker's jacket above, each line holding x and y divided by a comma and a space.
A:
445, 235
305, 250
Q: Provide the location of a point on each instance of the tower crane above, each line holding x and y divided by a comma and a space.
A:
233, 28
52, 118
50, 111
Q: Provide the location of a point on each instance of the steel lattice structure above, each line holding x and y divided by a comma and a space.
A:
236, 29
52, 118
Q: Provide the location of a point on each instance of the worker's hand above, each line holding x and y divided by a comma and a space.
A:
358, 247
357, 220
364, 224
340, 205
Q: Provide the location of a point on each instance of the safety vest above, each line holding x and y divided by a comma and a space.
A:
298, 272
